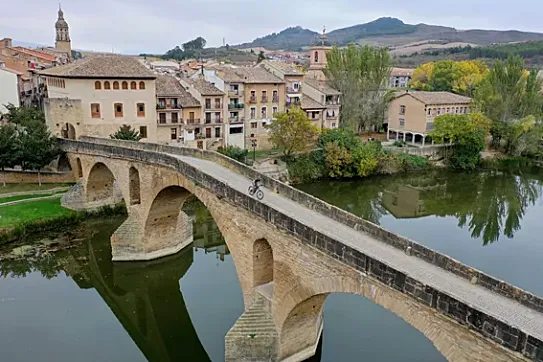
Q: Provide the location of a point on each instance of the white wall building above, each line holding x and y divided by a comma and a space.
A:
9, 88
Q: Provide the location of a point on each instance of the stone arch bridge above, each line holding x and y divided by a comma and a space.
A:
292, 250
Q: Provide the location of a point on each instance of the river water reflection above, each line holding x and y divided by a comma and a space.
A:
79, 306
492, 221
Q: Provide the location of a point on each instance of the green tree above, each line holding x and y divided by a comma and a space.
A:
344, 137
38, 147
261, 57
292, 131
338, 161
234, 152
508, 96
362, 75
23, 115
466, 132
9, 148
126, 133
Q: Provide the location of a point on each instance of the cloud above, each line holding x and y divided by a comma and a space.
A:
135, 26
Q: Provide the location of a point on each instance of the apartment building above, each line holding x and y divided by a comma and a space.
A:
264, 96
210, 125
96, 95
411, 114
178, 114
327, 99
9, 88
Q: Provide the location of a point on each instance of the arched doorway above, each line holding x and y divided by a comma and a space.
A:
63, 164
100, 183
262, 262
68, 132
134, 185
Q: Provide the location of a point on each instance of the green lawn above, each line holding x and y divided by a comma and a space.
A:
11, 216
24, 197
9, 188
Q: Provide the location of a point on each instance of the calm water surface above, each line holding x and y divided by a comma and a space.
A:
79, 306
492, 221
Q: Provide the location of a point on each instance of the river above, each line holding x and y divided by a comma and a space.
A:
76, 305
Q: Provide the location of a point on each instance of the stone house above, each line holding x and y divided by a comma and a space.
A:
400, 77
411, 114
94, 96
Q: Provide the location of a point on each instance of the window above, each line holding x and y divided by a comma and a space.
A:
429, 126
236, 130
97, 85
106, 85
173, 133
143, 131
133, 85
125, 85
253, 113
218, 117
254, 125
402, 122
316, 56
191, 115
208, 132
264, 112
175, 117
118, 107
208, 117
448, 110
141, 109
264, 97
217, 103
208, 103
402, 109
162, 118
115, 85
274, 110
217, 132
439, 111
142, 85
95, 110
429, 111
333, 125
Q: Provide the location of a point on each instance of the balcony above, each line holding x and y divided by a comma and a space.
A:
264, 99
332, 103
294, 90
233, 93
192, 121
164, 123
236, 119
252, 99
331, 116
235, 106
213, 120
163, 106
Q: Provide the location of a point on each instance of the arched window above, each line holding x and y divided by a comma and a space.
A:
125, 85
133, 85
142, 85
115, 85
316, 56
106, 85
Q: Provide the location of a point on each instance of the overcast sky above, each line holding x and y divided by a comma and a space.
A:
134, 26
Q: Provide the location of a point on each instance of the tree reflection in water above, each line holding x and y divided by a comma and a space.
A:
489, 203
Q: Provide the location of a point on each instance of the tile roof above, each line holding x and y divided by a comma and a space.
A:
228, 74
396, 72
204, 87
106, 66
437, 97
35, 53
321, 86
257, 75
310, 103
169, 86
285, 68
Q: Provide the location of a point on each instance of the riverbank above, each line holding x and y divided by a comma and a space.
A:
24, 219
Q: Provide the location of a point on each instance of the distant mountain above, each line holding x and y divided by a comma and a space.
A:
387, 32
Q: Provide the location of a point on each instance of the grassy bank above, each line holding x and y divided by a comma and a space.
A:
19, 221
25, 197
9, 188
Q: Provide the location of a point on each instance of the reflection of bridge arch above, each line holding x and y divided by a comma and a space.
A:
152, 309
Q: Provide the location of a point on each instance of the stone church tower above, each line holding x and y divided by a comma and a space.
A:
317, 60
63, 42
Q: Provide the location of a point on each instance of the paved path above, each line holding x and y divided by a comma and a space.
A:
478, 297
32, 199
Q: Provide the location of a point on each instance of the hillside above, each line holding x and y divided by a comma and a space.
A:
388, 32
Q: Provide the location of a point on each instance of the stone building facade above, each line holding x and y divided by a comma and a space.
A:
97, 95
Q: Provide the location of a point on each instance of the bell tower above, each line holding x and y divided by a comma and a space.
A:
63, 42
317, 57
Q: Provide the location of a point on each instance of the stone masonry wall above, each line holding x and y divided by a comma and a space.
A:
31, 177
468, 316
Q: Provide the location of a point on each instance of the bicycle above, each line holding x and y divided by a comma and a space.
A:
254, 190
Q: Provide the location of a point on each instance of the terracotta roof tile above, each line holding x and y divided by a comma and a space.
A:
310, 103
169, 86
257, 75
321, 86
102, 67
437, 97
204, 87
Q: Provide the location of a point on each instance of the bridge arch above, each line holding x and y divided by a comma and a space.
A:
299, 313
100, 183
262, 262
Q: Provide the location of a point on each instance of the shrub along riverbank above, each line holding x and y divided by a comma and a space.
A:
20, 221
341, 154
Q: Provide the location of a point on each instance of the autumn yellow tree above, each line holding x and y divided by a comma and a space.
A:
292, 131
450, 76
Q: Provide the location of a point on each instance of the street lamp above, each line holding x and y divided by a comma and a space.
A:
253, 144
